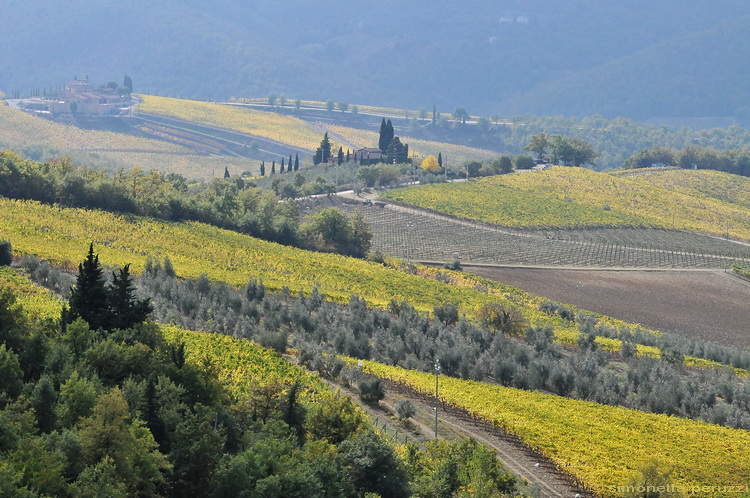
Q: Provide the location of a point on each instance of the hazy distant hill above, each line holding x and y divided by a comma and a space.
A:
635, 57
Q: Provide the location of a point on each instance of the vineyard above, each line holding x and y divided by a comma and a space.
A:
37, 302
61, 236
427, 236
240, 365
598, 444
271, 126
579, 198
191, 166
455, 154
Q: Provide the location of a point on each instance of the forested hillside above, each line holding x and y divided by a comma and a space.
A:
632, 58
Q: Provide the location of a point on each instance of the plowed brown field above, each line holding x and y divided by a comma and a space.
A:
710, 305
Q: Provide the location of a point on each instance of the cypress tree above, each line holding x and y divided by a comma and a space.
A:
273, 167
263, 168
340, 158
296, 162
347, 154
289, 164
382, 143
386, 136
281, 169
325, 146
88, 298
226, 172
125, 309
440, 160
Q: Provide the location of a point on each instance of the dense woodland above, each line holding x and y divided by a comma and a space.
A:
117, 411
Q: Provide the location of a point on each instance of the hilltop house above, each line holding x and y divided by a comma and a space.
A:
369, 155
80, 97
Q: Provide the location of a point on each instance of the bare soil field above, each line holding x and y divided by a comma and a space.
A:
710, 305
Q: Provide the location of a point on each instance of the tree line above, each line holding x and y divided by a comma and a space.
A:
230, 203
735, 161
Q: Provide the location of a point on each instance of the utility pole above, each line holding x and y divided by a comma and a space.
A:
437, 399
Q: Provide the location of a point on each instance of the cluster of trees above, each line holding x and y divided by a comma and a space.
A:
227, 203
390, 145
6, 253
103, 305
230, 203
736, 161
331, 230
570, 151
503, 348
283, 168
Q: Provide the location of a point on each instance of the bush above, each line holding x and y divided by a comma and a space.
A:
405, 409
503, 319
6, 253
371, 390
454, 265
447, 313
524, 162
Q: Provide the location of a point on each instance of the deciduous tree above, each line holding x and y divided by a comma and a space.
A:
430, 164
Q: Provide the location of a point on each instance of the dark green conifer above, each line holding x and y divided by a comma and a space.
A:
88, 298
125, 309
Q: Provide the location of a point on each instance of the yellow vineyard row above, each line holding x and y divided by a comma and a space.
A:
37, 302
600, 445
239, 364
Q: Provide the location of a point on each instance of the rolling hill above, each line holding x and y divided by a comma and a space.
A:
559, 197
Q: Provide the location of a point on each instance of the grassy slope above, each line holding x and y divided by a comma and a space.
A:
285, 129
20, 128
575, 198
21, 131
601, 445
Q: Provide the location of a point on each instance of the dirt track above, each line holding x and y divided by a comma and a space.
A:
711, 305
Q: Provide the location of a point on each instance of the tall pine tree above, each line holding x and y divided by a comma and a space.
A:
125, 309
88, 298
382, 144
